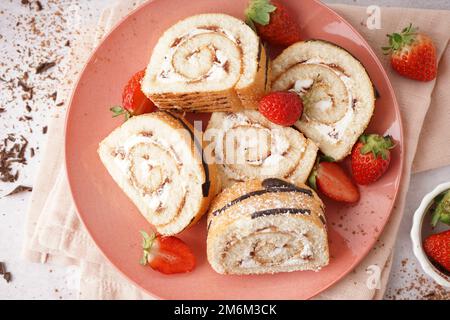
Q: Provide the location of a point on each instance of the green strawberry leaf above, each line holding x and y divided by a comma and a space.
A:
117, 111
325, 158
399, 40
144, 259
259, 11
251, 24
312, 180
147, 243
377, 145
435, 218
442, 211
147, 240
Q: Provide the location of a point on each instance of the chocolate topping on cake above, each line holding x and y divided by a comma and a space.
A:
276, 211
271, 185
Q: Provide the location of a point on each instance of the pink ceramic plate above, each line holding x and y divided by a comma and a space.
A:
114, 222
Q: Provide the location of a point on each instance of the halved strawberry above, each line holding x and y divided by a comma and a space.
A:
167, 255
134, 102
332, 181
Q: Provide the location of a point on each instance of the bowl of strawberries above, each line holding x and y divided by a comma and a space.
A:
430, 234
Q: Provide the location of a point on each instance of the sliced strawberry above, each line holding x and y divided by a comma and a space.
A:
134, 102
167, 255
332, 181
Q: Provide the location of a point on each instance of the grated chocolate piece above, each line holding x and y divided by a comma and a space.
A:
8, 277
44, 66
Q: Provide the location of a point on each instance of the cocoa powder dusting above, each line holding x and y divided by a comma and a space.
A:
418, 286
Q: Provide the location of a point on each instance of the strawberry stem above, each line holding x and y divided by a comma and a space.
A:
259, 12
119, 111
147, 244
399, 40
377, 144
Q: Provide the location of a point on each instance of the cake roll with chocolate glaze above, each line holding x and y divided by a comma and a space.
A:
206, 63
157, 160
267, 226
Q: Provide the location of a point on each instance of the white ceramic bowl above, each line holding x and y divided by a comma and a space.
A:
421, 228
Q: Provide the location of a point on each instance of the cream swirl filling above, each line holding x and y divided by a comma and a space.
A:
269, 246
333, 130
194, 59
153, 177
256, 144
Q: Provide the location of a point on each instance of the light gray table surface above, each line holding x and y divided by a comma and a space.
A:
24, 49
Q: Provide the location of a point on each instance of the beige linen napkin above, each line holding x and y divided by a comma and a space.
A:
54, 233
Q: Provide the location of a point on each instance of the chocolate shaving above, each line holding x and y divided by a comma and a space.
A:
39, 6
2, 110
7, 276
53, 96
12, 151
25, 118
20, 189
24, 86
44, 130
45, 66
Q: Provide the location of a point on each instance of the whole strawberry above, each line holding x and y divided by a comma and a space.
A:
437, 248
413, 54
282, 108
273, 22
371, 157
